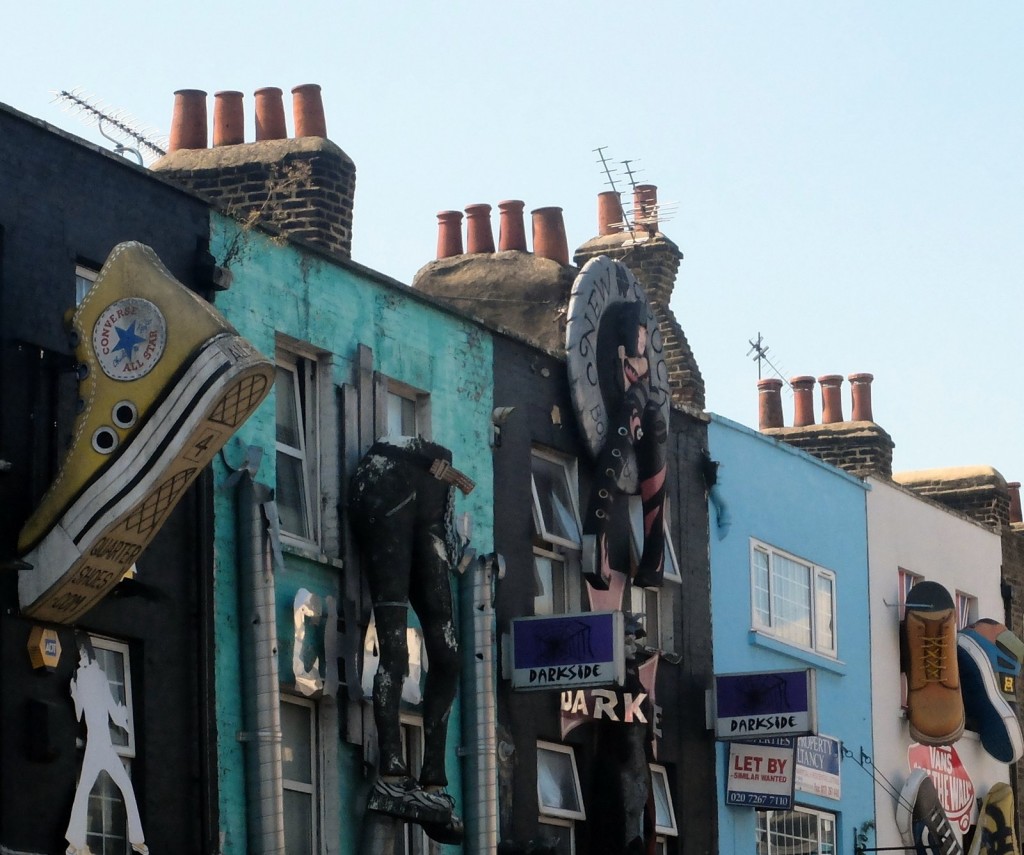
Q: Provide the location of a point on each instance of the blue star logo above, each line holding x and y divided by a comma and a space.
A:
127, 340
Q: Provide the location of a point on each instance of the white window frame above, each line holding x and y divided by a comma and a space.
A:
84, 277
771, 626
396, 392
125, 751
966, 609
763, 827
906, 580
568, 467
556, 811
307, 373
314, 788
648, 603
557, 599
559, 550
660, 783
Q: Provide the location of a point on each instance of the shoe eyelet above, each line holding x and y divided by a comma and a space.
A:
104, 440
79, 406
623, 431
125, 414
74, 339
603, 493
82, 370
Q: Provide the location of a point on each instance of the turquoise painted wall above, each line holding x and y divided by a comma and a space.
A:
797, 504
278, 288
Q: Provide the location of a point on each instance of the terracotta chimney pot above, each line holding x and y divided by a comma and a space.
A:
860, 390
645, 207
803, 400
228, 118
308, 111
511, 232
270, 114
609, 213
831, 398
549, 240
1015, 511
769, 403
188, 123
479, 237
449, 234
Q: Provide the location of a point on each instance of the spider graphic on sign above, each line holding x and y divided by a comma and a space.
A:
569, 640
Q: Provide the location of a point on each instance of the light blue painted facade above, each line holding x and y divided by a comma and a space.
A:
333, 308
777, 495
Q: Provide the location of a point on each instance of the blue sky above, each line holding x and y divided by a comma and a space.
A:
846, 176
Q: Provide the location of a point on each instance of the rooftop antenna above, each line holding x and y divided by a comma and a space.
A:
760, 351
646, 221
117, 122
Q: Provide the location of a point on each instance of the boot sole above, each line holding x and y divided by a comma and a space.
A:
110, 524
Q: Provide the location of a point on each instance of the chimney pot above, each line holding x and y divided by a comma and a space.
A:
769, 403
449, 234
803, 400
308, 111
479, 237
511, 232
228, 118
831, 398
609, 213
1015, 510
645, 207
270, 114
860, 391
549, 240
188, 123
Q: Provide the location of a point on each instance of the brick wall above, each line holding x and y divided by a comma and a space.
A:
302, 187
978, 492
859, 448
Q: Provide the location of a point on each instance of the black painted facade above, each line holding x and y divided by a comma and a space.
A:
536, 384
64, 202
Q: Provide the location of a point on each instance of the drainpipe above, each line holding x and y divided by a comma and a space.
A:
480, 716
257, 522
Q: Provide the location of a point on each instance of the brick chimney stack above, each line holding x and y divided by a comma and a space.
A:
303, 187
859, 446
654, 261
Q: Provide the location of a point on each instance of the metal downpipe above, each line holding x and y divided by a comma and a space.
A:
479, 740
261, 694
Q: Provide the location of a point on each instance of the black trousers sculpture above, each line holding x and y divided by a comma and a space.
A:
402, 516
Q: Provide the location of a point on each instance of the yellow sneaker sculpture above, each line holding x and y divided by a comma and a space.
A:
165, 381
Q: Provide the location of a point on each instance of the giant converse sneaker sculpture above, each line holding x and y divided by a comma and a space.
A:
165, 380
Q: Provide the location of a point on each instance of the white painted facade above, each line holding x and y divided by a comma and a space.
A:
913, 534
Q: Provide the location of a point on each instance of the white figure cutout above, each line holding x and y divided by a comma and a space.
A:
90, 690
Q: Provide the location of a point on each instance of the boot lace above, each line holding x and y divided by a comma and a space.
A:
933, 656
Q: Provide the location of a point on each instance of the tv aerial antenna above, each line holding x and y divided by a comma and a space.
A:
647, 218
760, 351
128, 137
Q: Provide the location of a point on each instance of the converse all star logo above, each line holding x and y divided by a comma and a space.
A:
129, 338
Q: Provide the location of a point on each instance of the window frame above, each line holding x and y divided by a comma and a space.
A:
815, 573
763, 820
557, 812
84, 273
906, 579
104, 790
559, 550
420, 400
568, 467
307, 377
659, 772
314, 789
560, 593
966, 609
